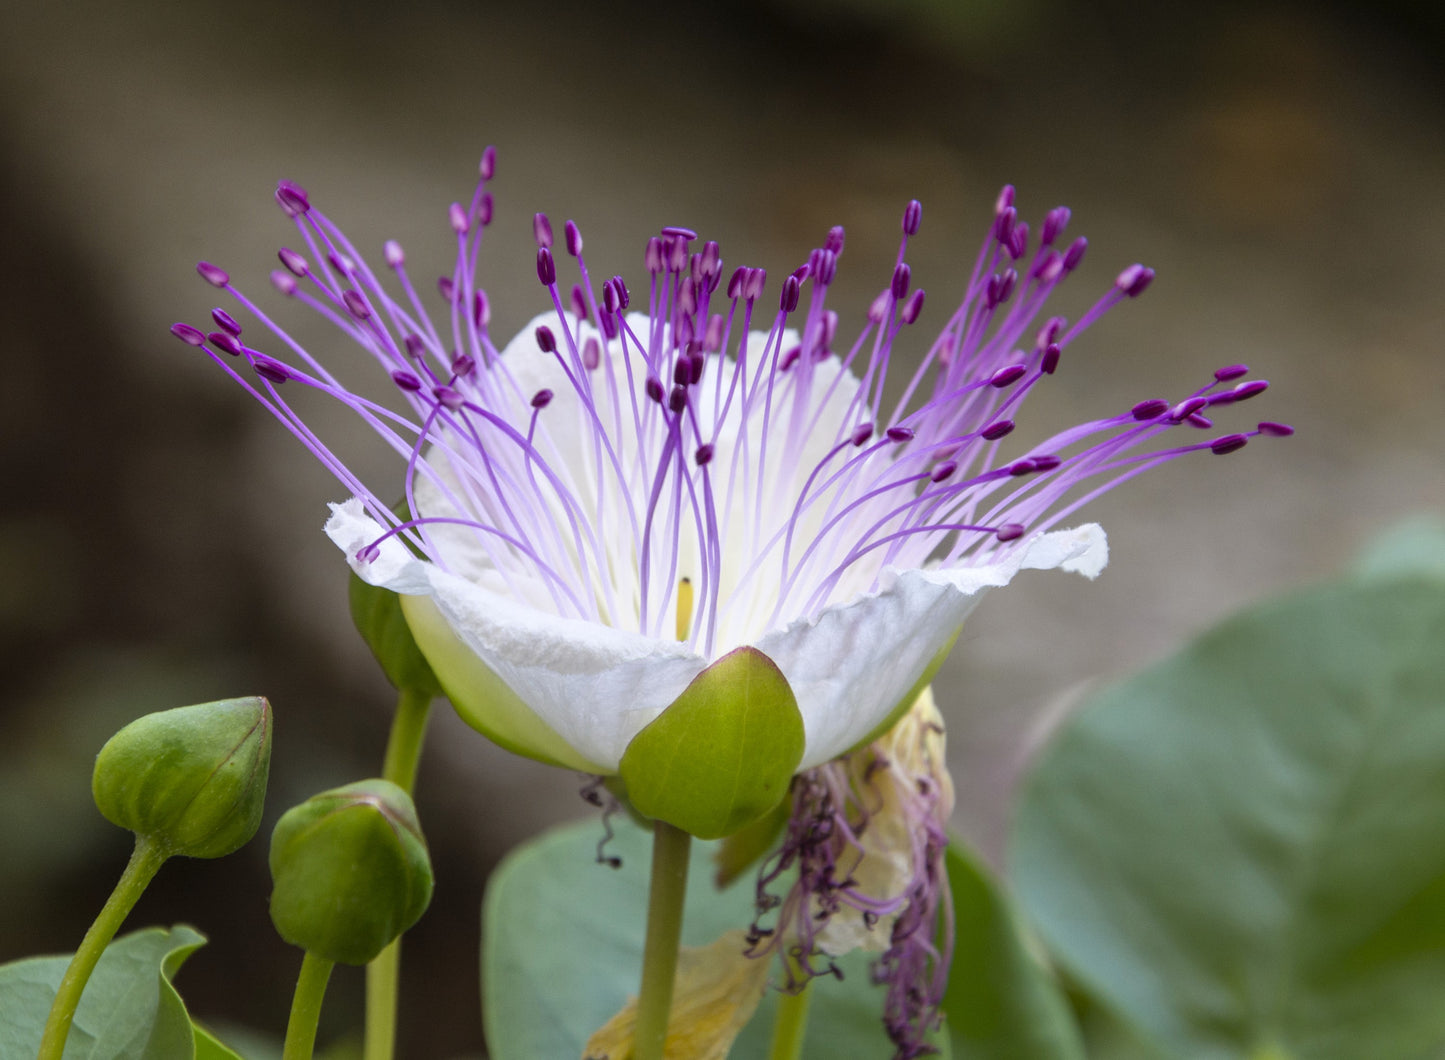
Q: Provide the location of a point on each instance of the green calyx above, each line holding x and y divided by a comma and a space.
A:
350, 871
722, 754
378, 617
191, 780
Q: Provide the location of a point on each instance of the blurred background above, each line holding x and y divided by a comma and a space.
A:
1281, 165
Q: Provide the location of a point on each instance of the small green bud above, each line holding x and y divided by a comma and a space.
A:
349, 871
192, 780
377, 615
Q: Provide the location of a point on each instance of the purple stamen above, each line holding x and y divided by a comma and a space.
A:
213, 274
542, 231
574, 239
546, 268
189, 335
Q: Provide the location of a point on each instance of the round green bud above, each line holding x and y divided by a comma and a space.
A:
191, 780
349, 871
376, 612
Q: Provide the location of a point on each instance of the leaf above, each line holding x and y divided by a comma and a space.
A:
722, 754
562, 951
1413, 547
129, 1011
1001, 1002
1242, 850
208, 1047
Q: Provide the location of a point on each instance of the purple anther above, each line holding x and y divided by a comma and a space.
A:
1050, 266
1245, 391
1134, 280
1055, 221
292, 198
1050, 362
1003, 224
677, 400
687, 299
546, 341
1006, 282
541, 230
737, 281
1228, 444
579, 302
704, 454
654, 389
1050, 332
1268, 427
213, 274
788, 300
457, 218
942, 471
1005, 199
878, 308
802, 272
542, 398
757, 280
463, 366
1046, 462
485, 208
624, 297
826, 267
861, 434
712, 335
1150, 410
1186, 408
902, 276
393, 254
406, 380
912, 217
450, 398
996, 430
830, 327
225, 342
1009, 532
1199, 420
294, 262
712, 260
609, 325
481, 309
356, 304
1026, 466
682, 370
488, 166
834, 242
368, 553
1007, 376
284, 282
609, 297
1231, 371
573, 236
676, 248
1075, 254
591, 353
1018, 241
189, 335
446, 289
270, 369
225, 321
899, 434
415, 345
546, 267
678, 232
697, 363
340, 262
790, 358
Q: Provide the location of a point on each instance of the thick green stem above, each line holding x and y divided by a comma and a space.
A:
403, 755
790, 1025
145, 861
306, 1007
671, 848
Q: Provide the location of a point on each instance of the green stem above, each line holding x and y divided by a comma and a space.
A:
671, 848
403, 755
145, 861
791, 1023
306, 1007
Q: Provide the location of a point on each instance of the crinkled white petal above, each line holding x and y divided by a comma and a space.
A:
597, 686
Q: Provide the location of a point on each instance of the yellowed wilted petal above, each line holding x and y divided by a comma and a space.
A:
717, 991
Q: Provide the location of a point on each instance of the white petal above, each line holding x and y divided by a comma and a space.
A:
852, 664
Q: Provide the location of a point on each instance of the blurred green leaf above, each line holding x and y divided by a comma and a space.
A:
1242, 850
1001, 1002
208, 1047
1413, 547
562, 951
129, 1011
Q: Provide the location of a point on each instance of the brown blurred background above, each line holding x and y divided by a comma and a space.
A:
1281, 165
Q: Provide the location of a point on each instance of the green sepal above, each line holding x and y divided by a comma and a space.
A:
721, 755
192, 780
350, 871
740, 851
481, 698
378, 617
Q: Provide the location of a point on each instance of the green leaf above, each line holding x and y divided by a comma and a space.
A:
1413, 547
722, 754
562, 951
129, 1011
208, 1047
1242, 850
1001, 1002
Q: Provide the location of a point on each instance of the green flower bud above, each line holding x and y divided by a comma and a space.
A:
350, 871
377, 615
192, 780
